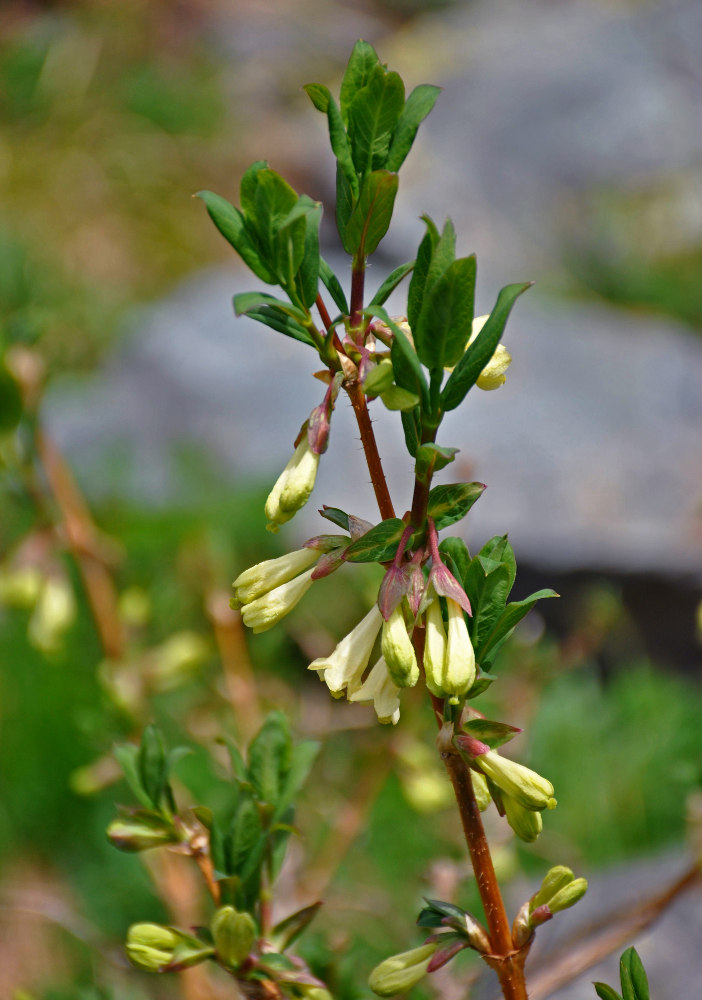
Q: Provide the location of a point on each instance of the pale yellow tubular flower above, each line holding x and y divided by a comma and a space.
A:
528, 787
435, 649
459, 671
526, 823
398, 651
400, 973
267, 611
343, 669
267, 575
53, 614
379, 688
493, 374
293, 487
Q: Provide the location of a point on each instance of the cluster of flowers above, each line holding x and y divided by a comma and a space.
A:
294, 486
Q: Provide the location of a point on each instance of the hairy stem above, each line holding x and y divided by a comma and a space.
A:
370, 449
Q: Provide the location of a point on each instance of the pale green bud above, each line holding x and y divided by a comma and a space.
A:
293, 487
266, 576
135, 607
132, 834
234, 934
434, 649
526, 823
555, 879
459, 671
398, 651
568, 895
267, 611
528, 787
53, 613
151, 946
343, 669
401, 972
379, 688
177, 658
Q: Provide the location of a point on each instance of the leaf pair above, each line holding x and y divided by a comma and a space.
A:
371, 131
633, 980
276, 233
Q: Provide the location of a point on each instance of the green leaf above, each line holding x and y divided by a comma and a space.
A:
152, 765
396, 398
308, 272
247, 189
371, 215
10, 400
505, 624
415, 295
344, 203
417, 107
280, 233
446, 318
362, 61
456, 556
280, 321
487, 582
373, 115
128, 759
412, 429
465, 374
341, 147
336, 516
451, 502
405, 363
377, 545
269, 757
244, 838
605, 992
303, 756
633, 976
495, 734
288, 930
230, 222
391, 283
247, 302
431, 458
333, 286
443, 255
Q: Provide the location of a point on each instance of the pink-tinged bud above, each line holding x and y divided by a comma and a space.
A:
446, 584
393, 589
522, 931
379, 688
417, 585
471, 746
358, 527
320, 418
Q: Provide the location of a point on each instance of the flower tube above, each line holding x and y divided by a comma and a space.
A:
378, 687
343, 669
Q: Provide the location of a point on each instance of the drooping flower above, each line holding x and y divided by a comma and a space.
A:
398, 651
449, 660
493, 374
266, 611
400, 973
266, 576
378, 687
526, 823
343, 669
294, 485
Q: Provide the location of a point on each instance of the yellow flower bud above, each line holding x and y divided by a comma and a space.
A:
459, 671
401, 972
267, 611
526, 823
554, 880
527, 787
568, 895
266, 576
435, 649
493, 374
293, 487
